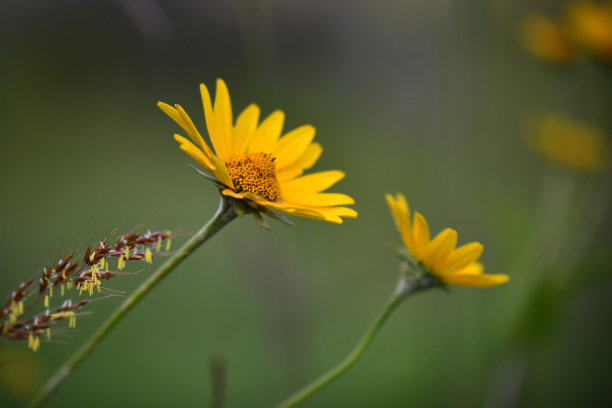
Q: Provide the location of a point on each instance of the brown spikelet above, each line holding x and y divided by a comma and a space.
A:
71, 278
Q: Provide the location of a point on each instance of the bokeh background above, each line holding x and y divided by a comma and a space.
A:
428, 98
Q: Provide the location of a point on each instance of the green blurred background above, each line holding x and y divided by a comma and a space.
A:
422, 97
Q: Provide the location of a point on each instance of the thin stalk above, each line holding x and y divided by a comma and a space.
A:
222, 217
406, 286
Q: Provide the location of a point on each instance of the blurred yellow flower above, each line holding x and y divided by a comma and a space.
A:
252, 162
455, 266
571, 143
591, 26
547, 39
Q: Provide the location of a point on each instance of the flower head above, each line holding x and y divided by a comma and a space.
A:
440, 257
570, 143
252, 163
591, 26
547, 39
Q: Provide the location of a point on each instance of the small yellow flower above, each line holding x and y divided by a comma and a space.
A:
570, 143
547, 39
455, 266
591, 26
253, 163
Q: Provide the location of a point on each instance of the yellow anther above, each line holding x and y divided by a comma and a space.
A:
62, 315
158, 245
63, 275
36, 343
127, 252
102, 263
91, 257
98, 285
72, 321
48, 281
62, 290
48, 331
46, 300
168, 243
50, 291
148, 256
21, 307
30, 340
121, 263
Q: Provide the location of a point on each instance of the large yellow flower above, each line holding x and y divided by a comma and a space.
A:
252, 162
591, 26
571, 143
455, 266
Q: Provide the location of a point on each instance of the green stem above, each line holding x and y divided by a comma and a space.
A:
222, 217
406, 286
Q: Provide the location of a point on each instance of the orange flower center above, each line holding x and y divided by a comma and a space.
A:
255, 173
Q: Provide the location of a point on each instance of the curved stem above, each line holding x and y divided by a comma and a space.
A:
222, 217
406, 286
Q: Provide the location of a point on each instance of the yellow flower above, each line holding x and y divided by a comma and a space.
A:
547, 40
455, 266
253, 163
591, 26
571, 143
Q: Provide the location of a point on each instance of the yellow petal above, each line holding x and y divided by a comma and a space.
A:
476, 280
211, 124
305, 161
268, 133
460, 258
172, 112
420, 233
192, 131
311, 183
195, 153
223, 122
329, 214
474, 268
339, 212
187, 126
401, 216
221, 172
317, 199
291, 146
231, 193
440, 247
246, 125
317, 216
